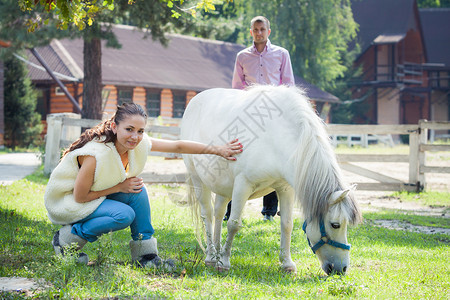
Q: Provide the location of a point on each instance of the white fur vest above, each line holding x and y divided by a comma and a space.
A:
109, 171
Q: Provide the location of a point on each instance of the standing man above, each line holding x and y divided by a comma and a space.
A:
262, 63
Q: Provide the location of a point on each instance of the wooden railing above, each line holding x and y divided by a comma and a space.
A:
63, 129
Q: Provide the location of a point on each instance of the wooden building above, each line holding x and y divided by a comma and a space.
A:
436, 31
397, 62
161, 79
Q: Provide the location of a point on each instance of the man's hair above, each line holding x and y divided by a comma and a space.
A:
260, 19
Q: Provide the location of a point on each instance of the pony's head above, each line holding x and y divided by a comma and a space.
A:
327, 235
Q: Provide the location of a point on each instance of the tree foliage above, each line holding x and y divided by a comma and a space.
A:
433, 3
22, 122
85, 16
225, 23
14, 25
316, 33
83, 13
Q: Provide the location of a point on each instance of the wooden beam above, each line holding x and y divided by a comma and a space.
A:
369, 174
60, 84
435, 125
372, 158
163, 178
371, 129
428, 169
428, 147
371, 186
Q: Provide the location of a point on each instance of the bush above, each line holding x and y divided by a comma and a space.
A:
22, 123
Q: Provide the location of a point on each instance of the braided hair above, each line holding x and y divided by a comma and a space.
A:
104, 128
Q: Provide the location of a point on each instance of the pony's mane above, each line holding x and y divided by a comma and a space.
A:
318, 174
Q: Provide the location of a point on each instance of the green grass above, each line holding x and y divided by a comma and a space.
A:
430, 198
31, 149
388, 214
386, 264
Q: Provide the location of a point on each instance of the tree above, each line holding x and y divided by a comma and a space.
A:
316, 33
433, 3
225, 23
14, 27
83, 13
22, 122
143, 14
88, 15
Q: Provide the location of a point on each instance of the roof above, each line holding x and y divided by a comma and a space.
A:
382, 21
187, 63
436, 31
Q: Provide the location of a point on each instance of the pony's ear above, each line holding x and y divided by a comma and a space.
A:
338, 196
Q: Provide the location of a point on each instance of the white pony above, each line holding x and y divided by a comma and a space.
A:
286, 149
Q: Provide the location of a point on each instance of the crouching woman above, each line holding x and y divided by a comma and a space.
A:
95, 188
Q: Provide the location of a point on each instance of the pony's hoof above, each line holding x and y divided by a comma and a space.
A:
290, 269
210, 263
222, 268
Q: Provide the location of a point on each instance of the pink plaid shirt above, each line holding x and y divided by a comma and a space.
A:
272, 66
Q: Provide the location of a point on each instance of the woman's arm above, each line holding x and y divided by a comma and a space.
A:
85, 179
189, 147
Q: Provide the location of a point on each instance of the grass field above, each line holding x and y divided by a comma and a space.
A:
385, 263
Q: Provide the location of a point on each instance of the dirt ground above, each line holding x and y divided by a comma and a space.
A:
368, 200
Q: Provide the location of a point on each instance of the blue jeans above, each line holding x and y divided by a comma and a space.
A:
118, 211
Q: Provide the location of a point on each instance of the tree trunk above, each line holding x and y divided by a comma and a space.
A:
92, 84
2, 111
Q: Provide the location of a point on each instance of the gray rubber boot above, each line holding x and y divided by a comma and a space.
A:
64, 238
145, 254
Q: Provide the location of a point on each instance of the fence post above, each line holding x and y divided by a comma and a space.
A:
51, 158
423, 138
414, 156
56, 132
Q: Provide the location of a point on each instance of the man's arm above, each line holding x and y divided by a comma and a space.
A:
238, 81
287, 75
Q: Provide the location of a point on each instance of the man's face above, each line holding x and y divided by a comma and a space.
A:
260, 33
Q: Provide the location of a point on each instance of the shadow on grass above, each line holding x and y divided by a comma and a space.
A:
254, 256
23, 240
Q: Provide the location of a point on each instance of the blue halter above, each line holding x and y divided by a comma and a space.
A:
324, 239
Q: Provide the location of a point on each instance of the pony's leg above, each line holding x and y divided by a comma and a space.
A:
220, 207
286, 202
203, 195
241, 193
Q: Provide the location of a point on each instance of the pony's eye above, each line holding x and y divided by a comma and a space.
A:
335, 225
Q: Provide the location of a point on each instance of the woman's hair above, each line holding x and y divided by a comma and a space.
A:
104, 128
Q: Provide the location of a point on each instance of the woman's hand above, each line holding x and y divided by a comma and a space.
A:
230, 149
131, 185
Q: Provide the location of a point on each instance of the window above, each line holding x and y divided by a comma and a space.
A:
105, 96
42, 105
153, 103
444, 79
179, 104
124, 95
385, 62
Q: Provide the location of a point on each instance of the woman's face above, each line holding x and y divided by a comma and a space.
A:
129, 131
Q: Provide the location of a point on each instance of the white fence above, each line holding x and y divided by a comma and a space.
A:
418, 146
63, 129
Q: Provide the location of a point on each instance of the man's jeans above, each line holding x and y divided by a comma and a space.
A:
118, 211
270, 204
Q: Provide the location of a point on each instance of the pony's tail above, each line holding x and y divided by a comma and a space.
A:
193, 203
